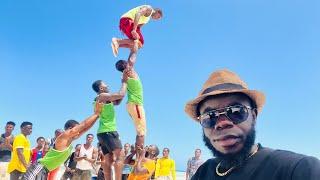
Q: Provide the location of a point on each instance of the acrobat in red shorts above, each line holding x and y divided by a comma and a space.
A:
126, 26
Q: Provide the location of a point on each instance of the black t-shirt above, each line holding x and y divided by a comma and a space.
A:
71, 162
266, 164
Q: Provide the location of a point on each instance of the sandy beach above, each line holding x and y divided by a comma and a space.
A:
180, 175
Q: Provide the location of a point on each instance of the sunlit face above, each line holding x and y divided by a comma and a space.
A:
103, 88
126, 147
165, 152
78, 147
197, 153
156, 16
9, 128
89, 139
26, 130
226, 136
41, 142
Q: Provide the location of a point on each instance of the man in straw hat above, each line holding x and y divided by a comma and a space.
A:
227, 110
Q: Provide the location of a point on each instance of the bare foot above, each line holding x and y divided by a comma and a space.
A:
115, 47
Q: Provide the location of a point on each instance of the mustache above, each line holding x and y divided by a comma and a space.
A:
228, 135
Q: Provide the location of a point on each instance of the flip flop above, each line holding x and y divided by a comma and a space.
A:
114, 49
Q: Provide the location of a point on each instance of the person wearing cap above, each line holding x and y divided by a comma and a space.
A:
227, 110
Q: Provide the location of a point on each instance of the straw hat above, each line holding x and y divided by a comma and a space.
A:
223, 82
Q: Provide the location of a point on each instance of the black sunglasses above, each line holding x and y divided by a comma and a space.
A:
236, 113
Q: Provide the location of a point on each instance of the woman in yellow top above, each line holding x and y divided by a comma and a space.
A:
130, 24
145, 165
165, 167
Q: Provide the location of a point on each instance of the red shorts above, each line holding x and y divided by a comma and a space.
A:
126, 26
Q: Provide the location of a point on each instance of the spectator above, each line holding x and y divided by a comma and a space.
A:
37, 152
193, 164
165, 167
71, 167
6, 142
85, 158
126, 168
20, 152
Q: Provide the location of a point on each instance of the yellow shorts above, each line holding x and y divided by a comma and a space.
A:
138, 116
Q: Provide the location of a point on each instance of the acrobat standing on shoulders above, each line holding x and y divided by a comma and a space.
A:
131, 23
135, 97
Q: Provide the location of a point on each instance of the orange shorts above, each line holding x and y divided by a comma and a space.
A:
138, 116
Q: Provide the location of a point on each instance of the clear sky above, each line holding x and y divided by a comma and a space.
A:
52, 51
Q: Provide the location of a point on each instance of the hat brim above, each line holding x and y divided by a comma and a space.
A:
257, 96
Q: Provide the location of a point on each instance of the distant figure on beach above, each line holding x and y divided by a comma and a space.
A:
193, 164
21, 152
6, 142
227, 110
85, 158
62, 148
165, 167
131, 23
126, 167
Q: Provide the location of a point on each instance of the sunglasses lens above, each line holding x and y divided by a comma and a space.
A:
208, 121
238, 114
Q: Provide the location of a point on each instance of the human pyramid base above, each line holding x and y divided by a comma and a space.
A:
130, 24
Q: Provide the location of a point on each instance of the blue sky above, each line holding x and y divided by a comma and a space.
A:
52, 51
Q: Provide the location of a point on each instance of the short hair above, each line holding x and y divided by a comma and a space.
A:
158, 10
166, 149
40, 138
157, 152
96, 85
70, 123
25, 123
90, 134
197, 149
121, 65
11, 123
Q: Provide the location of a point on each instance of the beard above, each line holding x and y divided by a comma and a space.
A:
238, 158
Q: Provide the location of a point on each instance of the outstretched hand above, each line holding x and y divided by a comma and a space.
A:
141, 153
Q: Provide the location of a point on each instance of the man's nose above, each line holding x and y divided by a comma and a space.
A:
223, 122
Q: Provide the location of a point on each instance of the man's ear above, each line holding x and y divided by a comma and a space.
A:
254, 116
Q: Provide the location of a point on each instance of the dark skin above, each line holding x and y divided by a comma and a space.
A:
8, 134
26, 130
104, 96
114, 158
64, 140
227, 137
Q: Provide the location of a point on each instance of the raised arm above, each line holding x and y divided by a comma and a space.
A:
114, 97
132, 58
85, 125
139, 169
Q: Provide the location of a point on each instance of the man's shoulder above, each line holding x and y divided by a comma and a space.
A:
20, 137
206, 170
284, 156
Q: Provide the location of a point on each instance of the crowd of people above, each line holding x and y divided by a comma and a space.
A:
84, 163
